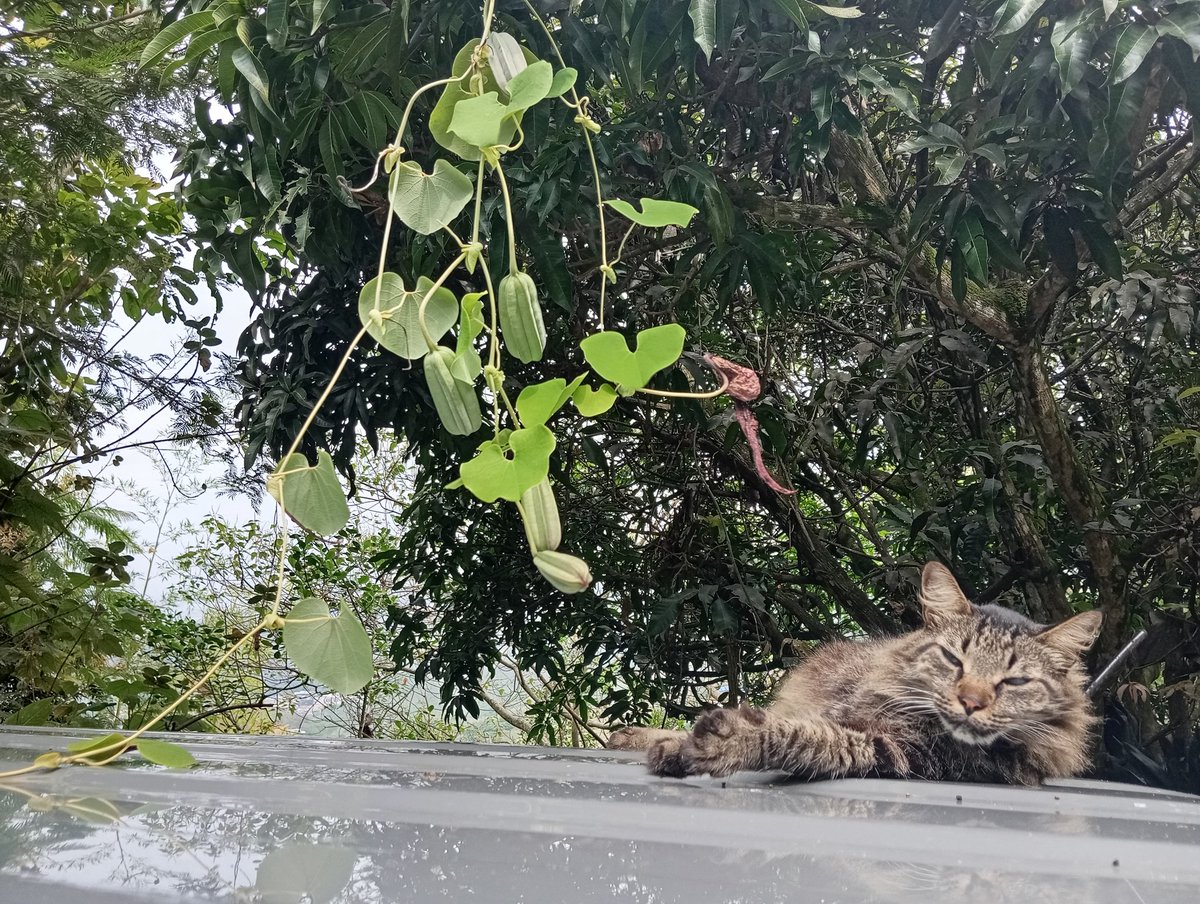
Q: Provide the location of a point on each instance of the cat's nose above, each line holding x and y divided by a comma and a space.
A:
971, 703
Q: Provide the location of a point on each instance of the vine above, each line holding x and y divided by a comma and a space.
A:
494, 81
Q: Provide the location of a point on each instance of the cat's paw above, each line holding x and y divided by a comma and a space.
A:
629, 738
664, 757
720, 742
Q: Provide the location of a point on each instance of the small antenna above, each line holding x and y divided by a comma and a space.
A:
1109, 670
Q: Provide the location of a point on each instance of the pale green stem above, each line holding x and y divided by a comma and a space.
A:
508, 221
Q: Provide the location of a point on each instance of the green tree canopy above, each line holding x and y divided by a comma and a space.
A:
955, 238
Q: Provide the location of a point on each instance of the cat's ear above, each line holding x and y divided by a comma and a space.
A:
941, 597
1075, 635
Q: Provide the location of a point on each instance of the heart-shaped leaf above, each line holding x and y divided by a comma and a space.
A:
443, 111
594, 402
164, 753
538, 403
495, 473
564, 81
481, 121
334, 651
398, 326
609, 355
426, 203
530, 86
311, 495
655, 213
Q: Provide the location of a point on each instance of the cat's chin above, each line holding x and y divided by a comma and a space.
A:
965, 734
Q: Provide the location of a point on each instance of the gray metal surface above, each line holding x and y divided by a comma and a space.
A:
287, 819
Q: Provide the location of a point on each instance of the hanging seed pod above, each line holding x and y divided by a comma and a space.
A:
540, 511
456, 402
521, 317
568, 573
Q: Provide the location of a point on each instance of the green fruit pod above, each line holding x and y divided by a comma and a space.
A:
456, 402
568, 573
539, 509
521, 317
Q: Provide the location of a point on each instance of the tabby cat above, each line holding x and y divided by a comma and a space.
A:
980, 693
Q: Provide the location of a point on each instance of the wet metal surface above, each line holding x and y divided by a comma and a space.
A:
291, 819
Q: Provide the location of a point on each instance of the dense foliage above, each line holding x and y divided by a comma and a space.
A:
957, 239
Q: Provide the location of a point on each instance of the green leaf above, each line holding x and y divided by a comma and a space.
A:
974, 247
1183, 23
1015, 15
443, 110
166, 39
311, 495
1188, 393
529, 86
467, 366
703, 14
1056, 225
323, 11
564, 81
949, 167
1001, 248
655, 213
495, 473
594, 402
481, 121
164, 753
656, 348
993, 153
427, 203
87, 745
36, 713
334, 651
1133, 45
276, 22
822, 101
958, 274
904, 100
793, 10
539, 402
1103, 248
398, 325
838, 12
252, 71
1072, 39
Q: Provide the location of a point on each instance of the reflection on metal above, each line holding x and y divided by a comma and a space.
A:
333, 822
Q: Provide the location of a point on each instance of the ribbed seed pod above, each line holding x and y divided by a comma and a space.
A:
456, 402
521, 317
540, 511
568, 573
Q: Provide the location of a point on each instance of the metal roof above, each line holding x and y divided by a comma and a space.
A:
376, 821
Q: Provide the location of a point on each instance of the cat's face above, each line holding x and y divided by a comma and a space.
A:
989, 673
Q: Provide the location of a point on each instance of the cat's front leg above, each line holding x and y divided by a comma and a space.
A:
723, 741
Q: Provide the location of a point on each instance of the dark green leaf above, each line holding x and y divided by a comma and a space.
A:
1102, 247
1056, 224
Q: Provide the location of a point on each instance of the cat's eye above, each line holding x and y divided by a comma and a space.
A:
1016, 682
951, 658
